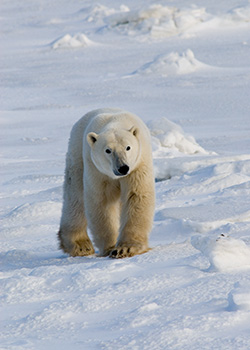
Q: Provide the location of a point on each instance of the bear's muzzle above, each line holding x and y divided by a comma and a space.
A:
122, 170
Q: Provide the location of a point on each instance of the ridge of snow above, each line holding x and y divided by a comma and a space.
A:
75, 41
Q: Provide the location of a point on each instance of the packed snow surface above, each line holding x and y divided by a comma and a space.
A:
184, 69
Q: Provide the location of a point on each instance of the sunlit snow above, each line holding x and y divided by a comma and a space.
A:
184, 69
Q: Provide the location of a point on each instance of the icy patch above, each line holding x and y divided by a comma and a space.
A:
169, 137
157, 20
172, 64
68, 41
224, 253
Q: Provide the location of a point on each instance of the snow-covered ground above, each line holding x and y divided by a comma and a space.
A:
183, 67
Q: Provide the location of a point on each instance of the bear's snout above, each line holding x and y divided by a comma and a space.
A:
122, 170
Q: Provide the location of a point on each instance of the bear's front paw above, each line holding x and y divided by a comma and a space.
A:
82, 248
128, 251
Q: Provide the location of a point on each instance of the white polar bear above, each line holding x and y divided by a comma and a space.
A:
108, 186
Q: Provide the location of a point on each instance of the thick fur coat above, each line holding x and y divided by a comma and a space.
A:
108, 186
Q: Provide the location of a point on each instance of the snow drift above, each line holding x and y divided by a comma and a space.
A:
168, 136
224, 253
171, 148
157, 20
172, 64
75, 41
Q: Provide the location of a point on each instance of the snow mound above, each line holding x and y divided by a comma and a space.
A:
170, 146
239, 297
68, 41
224, 253
172, 64
157, 20
168, 136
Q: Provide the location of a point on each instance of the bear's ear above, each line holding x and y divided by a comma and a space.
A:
92, 138
134, 131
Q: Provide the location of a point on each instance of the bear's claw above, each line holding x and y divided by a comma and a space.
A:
120, 253
127, 252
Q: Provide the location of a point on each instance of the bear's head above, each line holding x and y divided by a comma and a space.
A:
115, 153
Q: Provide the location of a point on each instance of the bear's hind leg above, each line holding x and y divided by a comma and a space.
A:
75, 243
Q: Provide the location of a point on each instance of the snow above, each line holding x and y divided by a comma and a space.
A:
68, 41
168, 135
239, 297
157, 20
185, 70
224, 253
172, 64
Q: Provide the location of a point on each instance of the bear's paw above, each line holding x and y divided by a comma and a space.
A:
82, 247
127, 251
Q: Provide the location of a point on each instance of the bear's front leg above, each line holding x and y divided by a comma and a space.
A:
72, 235
102, 207
138, 200
103, 221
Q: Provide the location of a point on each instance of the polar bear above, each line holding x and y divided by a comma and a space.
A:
108, 186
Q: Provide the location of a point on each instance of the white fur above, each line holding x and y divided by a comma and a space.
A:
109, 185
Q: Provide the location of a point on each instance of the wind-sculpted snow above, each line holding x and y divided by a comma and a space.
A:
173, 64
169, 137
224, 253
157, 20
98, 12
68, 41
184, 69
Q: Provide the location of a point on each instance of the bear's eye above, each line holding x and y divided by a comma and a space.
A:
128, 148
108, 151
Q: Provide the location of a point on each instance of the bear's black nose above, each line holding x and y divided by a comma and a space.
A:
123, 170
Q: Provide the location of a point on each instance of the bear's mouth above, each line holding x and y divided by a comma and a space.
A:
122, 170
